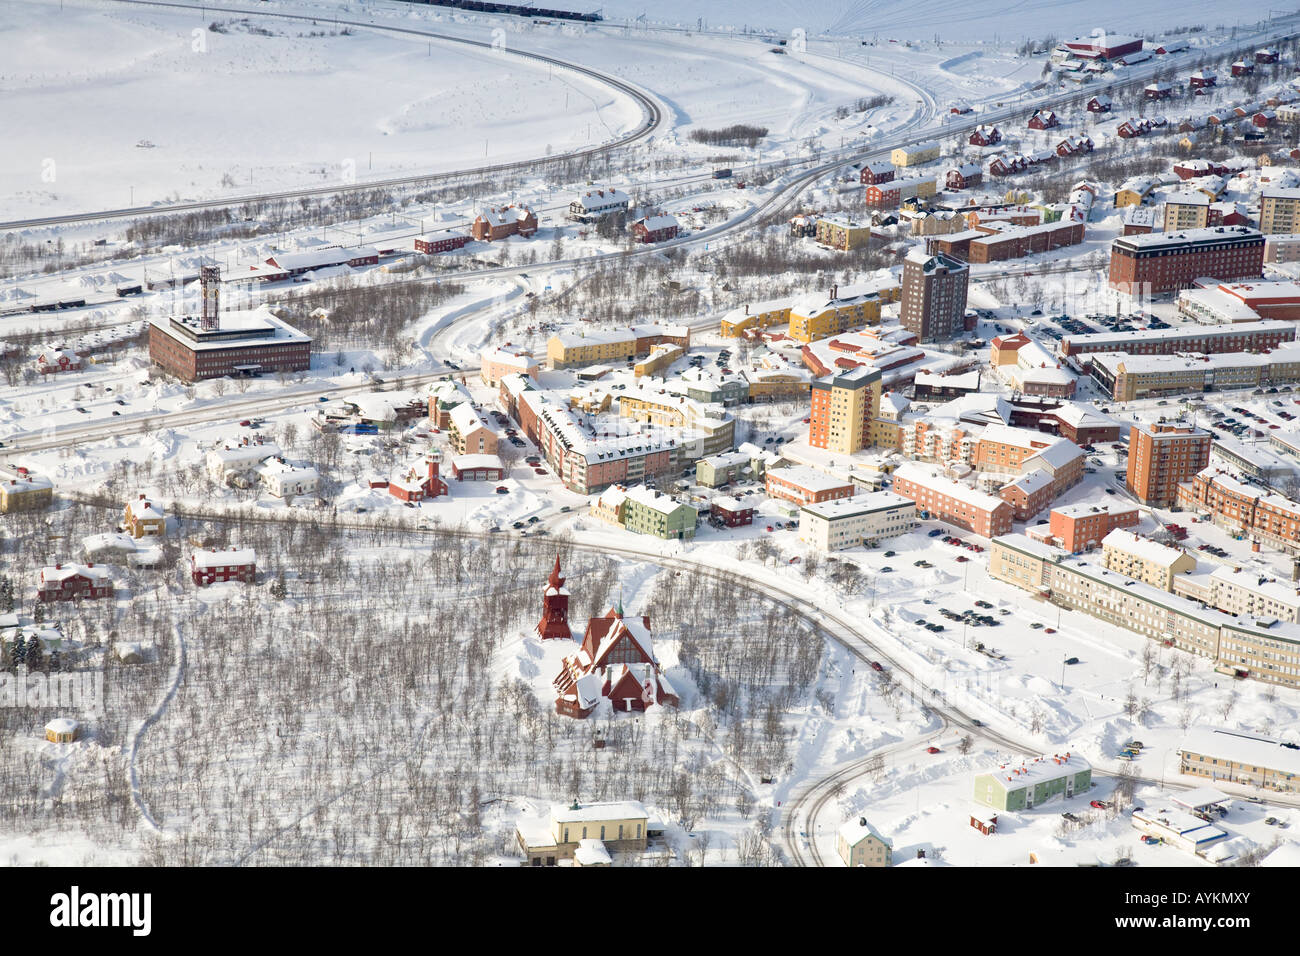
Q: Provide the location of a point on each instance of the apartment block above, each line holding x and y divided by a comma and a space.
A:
1161, 456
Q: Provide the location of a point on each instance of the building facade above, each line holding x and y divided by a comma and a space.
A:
933, 305
860, 521
1162, 456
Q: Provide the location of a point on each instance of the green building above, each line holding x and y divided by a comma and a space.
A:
652, 512
1023, 785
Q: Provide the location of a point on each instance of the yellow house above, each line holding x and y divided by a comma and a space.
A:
843, 234
816, 317
659, 359
144, 518
25, 492
590, 348
761, 315
770, 385
916, 154
1134, 192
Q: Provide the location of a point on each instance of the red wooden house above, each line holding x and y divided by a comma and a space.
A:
1264, 118
1266, 55
235, 564
1159, 90
555, 607
1202, 80
1242, 68
1043, 119
616, 663
1004, 165
985, 136
1100, 103
731, 512
71, 582
986, 823
1130, 128
877, 172
654, 229
1074, 144
964, 177
58, 360
437, 244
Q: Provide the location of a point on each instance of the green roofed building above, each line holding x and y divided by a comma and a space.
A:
1023, 785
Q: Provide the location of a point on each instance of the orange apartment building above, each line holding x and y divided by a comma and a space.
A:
1160, 457
843, 408
953, 502
1078, 528
805, 486
1238, 506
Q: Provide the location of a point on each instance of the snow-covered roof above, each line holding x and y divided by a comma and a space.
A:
1032, 481
108, 541
1287, 854
655, 500
596, 812
469, 462
857, 505
928, 476
62, 725
595, 197
654, 223
1200, 798
1058, 454
1087, 508
324, 256
1032, 771
233, 557
1144, 548
465, 418
856, 830
65, 571
592, 853
807, 479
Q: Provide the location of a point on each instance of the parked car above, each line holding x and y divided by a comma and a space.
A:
875, 666
1097, 804
1072, 660
502, 490
932, 750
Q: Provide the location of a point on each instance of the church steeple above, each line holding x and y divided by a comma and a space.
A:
555, 607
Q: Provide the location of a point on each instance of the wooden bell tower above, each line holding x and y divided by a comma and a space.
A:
555, 607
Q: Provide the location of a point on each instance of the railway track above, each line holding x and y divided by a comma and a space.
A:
652, 120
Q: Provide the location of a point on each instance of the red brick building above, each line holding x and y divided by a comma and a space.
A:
964, 177
804, 485
1166, 262
1078, 528
243, 343
500, 223
1161, 456
1018, 241
952, 502
1029, 494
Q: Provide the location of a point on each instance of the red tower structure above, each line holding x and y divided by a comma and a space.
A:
555, 607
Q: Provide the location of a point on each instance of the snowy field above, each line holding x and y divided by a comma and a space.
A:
261, 105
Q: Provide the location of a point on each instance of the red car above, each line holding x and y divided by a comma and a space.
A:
1049, 630
1098, 805
769, 528
962, 557
932, 750
875, 666
807, 421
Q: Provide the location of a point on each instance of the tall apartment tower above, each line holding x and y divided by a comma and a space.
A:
934, 295
1161, 456
843, 408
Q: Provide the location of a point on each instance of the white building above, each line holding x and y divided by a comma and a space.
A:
284, 480
596, 202
852, 522
237, 459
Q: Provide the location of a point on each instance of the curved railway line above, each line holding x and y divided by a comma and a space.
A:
652, 120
